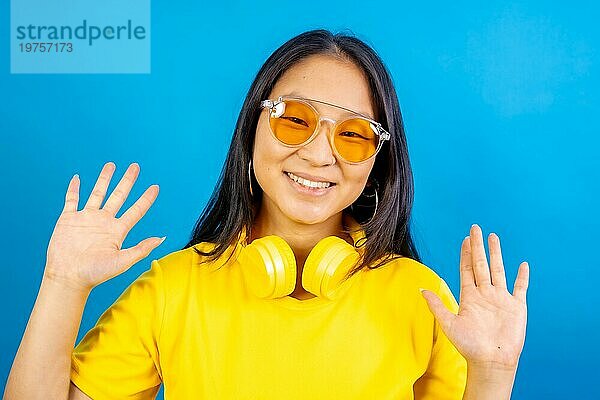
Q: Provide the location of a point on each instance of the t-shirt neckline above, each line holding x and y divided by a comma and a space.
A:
317, 302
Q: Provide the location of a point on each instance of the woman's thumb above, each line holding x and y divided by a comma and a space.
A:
134, 254
438, 309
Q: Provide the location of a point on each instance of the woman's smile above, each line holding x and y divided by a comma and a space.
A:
308, 187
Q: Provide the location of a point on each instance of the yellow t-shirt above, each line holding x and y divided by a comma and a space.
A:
205, 336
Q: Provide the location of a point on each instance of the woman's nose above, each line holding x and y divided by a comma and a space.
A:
319, 151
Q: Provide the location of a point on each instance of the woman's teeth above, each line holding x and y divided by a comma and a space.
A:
307, 183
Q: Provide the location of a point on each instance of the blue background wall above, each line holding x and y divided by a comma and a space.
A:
501, 106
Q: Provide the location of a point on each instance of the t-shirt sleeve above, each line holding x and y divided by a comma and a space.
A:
446, 375
118, 358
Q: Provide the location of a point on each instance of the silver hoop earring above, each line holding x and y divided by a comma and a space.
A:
374, 194
250, 178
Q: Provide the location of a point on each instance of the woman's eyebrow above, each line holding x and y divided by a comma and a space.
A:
294, 93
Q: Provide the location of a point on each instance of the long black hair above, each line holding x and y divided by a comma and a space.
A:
231, 209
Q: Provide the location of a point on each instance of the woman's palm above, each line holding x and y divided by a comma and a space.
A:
490, 325
85, 247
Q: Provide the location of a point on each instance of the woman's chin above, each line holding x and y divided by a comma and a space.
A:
307, 215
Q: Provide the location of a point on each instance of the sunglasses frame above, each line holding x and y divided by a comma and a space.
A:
378, 129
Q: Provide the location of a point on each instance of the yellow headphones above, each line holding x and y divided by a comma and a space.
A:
269, 265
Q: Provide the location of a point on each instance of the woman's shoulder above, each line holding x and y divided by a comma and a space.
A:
184, 260
406, 272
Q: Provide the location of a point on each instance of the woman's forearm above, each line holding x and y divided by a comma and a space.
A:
489, 382
41, 368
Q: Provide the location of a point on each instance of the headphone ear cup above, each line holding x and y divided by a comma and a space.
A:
269, 267
326, 265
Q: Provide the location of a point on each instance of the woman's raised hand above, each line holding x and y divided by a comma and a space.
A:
85, 247
489, 330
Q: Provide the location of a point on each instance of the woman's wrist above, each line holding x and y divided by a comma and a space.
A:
489, 381
57, 280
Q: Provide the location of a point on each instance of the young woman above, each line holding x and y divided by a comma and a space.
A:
301, 279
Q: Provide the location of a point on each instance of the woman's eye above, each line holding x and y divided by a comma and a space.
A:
352, 134
296, 120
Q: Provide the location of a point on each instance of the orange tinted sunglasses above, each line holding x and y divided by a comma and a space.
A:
295, 122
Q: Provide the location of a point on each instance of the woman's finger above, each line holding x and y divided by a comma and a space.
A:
496, 263
522, 282
466, 267
478, 257
72, 196
139, 208
119, 195
128, 257
99, 190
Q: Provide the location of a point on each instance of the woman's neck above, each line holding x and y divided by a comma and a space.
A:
300, 236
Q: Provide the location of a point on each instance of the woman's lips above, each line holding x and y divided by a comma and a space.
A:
307, 190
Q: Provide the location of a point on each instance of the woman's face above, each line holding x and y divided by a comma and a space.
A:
326, 79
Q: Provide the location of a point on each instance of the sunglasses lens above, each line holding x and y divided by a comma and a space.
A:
295, 125
355, 139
